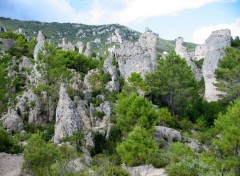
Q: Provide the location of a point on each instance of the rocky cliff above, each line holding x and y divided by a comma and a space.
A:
139, 57
211, 52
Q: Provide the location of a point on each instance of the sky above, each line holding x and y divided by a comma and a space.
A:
194, 20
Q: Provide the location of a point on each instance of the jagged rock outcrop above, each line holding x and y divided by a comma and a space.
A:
100, 118
115, 37
140, 57
144, 170
89, 49
6, 44
188, 56
67, 119
12, 121
80, 47
39, 45
168, 134
66, 45
26, 63
211, 51
108, 67
70, 116
87, 85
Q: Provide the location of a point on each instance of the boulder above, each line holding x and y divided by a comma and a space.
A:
12, 120
168, 134
6, 44
80, 47
144, 170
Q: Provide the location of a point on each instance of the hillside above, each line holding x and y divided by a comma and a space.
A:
103, 36
131, 112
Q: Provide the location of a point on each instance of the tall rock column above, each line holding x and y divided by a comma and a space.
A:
67, 118
40, 43
213, 51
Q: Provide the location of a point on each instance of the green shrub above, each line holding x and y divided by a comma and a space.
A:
165, 118
8, 144
158, 159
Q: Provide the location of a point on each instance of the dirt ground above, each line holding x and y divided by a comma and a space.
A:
10, 165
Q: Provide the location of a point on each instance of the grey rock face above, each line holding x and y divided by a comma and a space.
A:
88, 51
70, 116
66, 45
169, 134
211, 51
80, 47
67, 119
101, 124
39, 45
188, 56
26, 63
6, 44
12, 120
108, 67
146, 170
140, 57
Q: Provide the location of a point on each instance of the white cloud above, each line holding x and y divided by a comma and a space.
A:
200, 35
110, 11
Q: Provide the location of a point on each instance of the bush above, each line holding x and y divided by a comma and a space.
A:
158, 159
137, 147
8, 144
165, 118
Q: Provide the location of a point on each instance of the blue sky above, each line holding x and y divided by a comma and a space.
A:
192, 19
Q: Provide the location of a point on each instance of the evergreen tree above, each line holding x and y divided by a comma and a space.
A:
173, 81
228, 142
228, 75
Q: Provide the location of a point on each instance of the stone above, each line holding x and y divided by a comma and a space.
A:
67, 119
139, 57
168, 134
144, 170
80, 47
188, 56
89, 49
39, 45
26, 63
66, 45
108, 67
6, 44
211, 51
12, 120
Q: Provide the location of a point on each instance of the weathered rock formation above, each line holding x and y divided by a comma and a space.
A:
12, 121
211, 51
108, 67
70, 116
67, 120
6, 44
89, 48
140, 57
144, 170
66, 45
40, 43
188, 56
80, 47
168, 134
